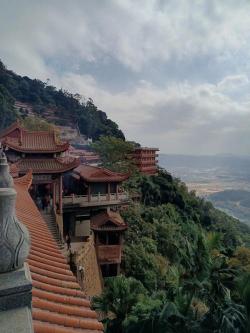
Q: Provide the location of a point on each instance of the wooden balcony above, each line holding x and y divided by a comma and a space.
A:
151, 170
95, 200
146, 162
109, 254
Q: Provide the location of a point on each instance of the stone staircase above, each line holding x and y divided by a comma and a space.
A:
50, 220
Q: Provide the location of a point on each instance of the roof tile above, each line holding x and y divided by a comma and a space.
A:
68, 321
96, 174
99, 221
47, 165
32, 141
58, 303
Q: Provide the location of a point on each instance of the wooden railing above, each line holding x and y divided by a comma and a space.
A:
85, 200
109, 253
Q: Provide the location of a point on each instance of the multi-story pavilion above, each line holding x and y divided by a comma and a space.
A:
93, 197
42, 152
87, 191
146, 159
108, 228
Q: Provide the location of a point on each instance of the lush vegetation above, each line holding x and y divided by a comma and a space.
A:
66, 107
186, 265
37, 124
115, 153
7, 111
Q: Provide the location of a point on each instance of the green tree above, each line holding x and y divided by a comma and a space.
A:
67, 108
116, 301
115, 153
7, 111
37, 124
243, 287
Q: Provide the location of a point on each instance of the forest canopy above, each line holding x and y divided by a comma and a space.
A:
186, 265
68, 108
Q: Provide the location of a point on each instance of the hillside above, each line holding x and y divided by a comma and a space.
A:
185, 264
222, 179
233, 202
18, 94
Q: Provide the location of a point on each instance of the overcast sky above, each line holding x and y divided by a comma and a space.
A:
172, 73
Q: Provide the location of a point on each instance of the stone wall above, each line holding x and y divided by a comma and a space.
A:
90, 278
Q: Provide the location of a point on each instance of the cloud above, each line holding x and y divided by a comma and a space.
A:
180, 68
234, 81
133, 32
178, 118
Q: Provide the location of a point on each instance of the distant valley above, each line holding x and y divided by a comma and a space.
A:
222, 179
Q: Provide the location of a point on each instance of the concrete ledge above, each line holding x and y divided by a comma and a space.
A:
16, 321
15, 289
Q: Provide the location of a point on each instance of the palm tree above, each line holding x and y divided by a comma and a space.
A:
118, 298
243, 286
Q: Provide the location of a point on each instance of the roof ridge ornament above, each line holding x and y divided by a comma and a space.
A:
6, 180
14, 237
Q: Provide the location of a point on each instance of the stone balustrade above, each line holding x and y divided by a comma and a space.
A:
95, 199
15, 280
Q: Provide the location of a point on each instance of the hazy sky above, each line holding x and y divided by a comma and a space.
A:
172, 73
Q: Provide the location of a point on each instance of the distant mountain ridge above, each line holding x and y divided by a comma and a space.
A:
238, 166
204, 161
63, 107
233, 202
228, 176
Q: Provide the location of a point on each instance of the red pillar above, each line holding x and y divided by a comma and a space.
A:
54, 195
89, 193
60, 195
109, 191
117, 192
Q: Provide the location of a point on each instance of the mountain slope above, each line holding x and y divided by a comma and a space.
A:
62, 107
233, 202
182, 267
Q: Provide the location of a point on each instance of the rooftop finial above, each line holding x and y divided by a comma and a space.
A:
1, 150
5, 177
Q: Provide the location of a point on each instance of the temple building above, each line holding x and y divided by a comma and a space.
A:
108, 228
86, 156
146, 160
88, 190
42, 294
85, 199
42, 152
91, 204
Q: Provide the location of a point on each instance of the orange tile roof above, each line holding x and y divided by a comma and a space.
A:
96, 174
47, 165
11, 128
58, 305
32, 141
100, 221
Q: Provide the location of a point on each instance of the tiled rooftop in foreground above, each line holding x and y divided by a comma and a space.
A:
58, 305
